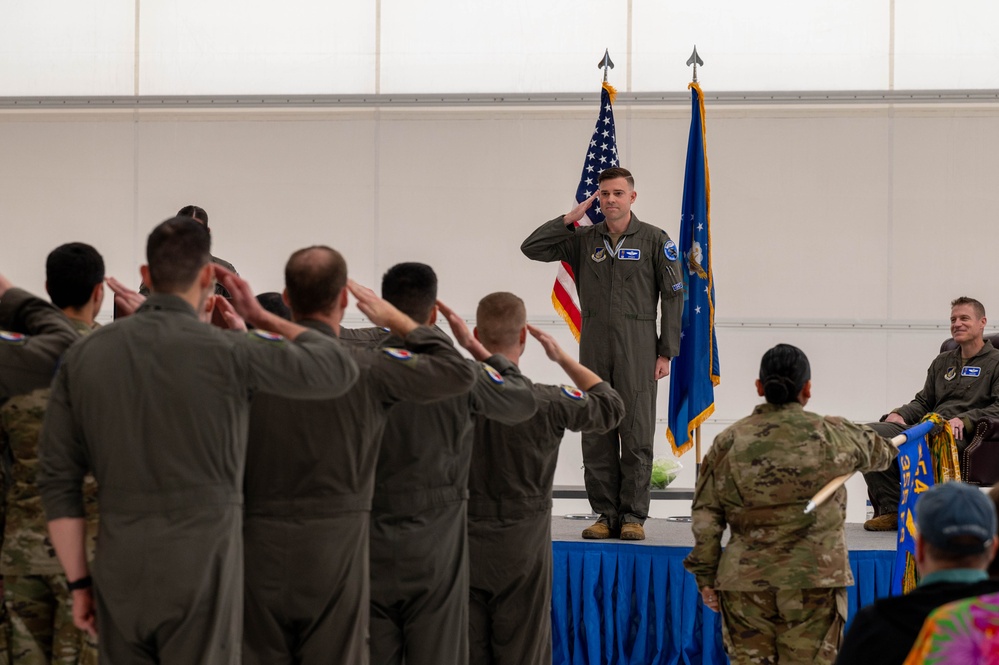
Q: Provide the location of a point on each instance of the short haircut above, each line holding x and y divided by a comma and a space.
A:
274, 303
616, 172
314, 277
196, 213
784, 371
71, 273
499, 319
412, 289
965, 300
979, 561
176, 251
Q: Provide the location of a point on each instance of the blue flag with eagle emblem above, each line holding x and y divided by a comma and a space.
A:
694, 372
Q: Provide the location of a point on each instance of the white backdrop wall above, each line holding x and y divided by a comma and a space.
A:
843, 229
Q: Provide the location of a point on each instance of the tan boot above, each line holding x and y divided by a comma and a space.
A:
887, 522
632, 531
597, 531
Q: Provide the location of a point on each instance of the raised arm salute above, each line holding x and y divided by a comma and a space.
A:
625, 269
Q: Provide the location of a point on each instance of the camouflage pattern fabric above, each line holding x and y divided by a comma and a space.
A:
39, 625
41, 622
783, 625
757, 478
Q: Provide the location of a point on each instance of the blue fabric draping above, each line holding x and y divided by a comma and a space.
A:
619, 604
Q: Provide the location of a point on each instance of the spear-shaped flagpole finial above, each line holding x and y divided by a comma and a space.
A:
605, 63
694, 60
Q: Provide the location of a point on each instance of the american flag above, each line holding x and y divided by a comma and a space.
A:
600, 154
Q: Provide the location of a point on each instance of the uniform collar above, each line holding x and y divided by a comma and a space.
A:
632, 227
958, 575
166, 302
321, 326
767, 407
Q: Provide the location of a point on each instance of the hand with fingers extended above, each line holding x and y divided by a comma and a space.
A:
462, 334
126, 300
579, 211
224, 316
379, 311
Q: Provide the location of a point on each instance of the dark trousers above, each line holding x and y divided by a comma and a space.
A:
306, 590
419, 587
511, 586
883, 486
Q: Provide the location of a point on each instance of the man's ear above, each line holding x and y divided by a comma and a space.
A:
634, 195
432, 319
475, 333
97, 295
144, 272
343, 299
206, 276
523, 335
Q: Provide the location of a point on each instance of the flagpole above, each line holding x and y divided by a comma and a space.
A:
697, 453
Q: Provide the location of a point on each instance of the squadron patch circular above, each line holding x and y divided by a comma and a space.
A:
573, 393
670, 251
12, 337
267, 336
493, 375
398, 354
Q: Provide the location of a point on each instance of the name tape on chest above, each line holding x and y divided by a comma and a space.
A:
971, 371
670, 251
573, 393
629, 254
398, 354
7, 337
493, 375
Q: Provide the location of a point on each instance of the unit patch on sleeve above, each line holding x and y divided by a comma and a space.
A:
397, 353
573, 393
7, 337
266, 336
493, 375
670, 251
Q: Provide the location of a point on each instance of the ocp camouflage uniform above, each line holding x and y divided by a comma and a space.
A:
35, 595
782, 577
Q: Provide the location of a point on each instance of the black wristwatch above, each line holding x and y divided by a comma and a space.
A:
82, 583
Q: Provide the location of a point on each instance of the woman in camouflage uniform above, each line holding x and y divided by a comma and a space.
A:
780, 583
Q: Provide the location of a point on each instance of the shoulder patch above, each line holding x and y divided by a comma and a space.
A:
397, 353
670, 251
266, 336
573, 393
493, 375
7, 337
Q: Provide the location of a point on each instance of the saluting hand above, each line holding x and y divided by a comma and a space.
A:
462, 334
579, 211
126, 300
381, 312
551, 347
225, 316
243, 302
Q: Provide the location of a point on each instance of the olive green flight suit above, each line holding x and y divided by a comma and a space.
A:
157, 406
620, 288
310, 476
33, 334
509, 521
419, 545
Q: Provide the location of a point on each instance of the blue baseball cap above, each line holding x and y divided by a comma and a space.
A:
956, 510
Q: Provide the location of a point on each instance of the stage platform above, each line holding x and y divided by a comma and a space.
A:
617, 603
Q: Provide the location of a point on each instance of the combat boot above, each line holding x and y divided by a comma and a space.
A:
888, 522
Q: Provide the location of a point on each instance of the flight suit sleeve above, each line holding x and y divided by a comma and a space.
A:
858, 447
553, 241
600, 409
501, 392
314, 366
669, 280
427, 370
62, 455
29, 362
707, 521
924, 401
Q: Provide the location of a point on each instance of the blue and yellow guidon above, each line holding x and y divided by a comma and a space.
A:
398, 354
573, 393
267, 336
8, 337
493, 375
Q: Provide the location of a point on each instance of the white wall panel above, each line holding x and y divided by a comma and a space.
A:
763, 45
946, 45
67, 47
509, 46
221, 47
